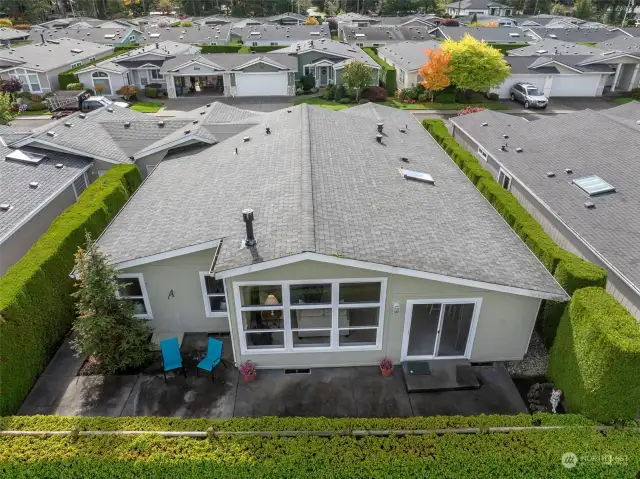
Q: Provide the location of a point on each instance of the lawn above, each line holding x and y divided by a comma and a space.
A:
147, 106
332, 105
34, 113
317, 101
623, 100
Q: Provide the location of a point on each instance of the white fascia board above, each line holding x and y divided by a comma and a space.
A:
168, 146
30, 140
165, 255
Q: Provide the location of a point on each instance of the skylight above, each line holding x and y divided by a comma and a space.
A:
154, 35
417, 176
76, 50
593, 185
25, 157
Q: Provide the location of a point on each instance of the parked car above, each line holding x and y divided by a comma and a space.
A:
66, 102
528, 95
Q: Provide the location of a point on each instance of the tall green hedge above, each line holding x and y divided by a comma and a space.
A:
388, 73
266, 48
596, 357
36, 309
569, 270
220, 48
125, 48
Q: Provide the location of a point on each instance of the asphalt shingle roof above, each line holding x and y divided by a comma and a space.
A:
205, 34
487, 34
231, 61
553, 47
577, 34
319, 182
281, 33
12, 33
622, 43
409, 55
95, 35
329, 47
583, 141
54, 55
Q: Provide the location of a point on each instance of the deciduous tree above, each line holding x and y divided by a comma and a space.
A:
583, 9
311, 21
356, 75
435, 72
6, 113
475, 65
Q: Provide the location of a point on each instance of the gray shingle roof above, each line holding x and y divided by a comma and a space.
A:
577, 34
231, 61
477, 4
409, 55
9, 134
542, 64
12, 34
487, 34
623, 43
319, 182
583, 141
384, 33
329, 47
95, 35
281, 33
16, 176
554, 47
205, 34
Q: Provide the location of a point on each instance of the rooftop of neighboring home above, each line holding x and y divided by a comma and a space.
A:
12, 34
232, 61
408, 55
383, 33
9, 134
582, 142
199, 34
556, 21
52, 55
622, 43
215, 20
426, 19
281, 32
96, 35
30, 178
548, 64
155, 20
329, 47
549, 46
340, 192
289, 16
476, 4
352, 17
487, 34
576, 35
631, 31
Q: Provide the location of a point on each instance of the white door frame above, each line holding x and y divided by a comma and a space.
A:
477, 302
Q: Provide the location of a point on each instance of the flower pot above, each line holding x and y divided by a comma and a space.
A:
386, 372
249, 378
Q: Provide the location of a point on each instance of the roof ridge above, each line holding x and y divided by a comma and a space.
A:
308, 219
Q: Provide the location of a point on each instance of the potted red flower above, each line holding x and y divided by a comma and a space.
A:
386, 367
248, 371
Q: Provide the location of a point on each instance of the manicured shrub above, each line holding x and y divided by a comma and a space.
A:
307, 82
75, 86
470, 109
340, 93
33, 106
5, 22
65, 78
635, 93
387, 74
449, 22
186, 24
329, 92
37, 309
346, 100
595, 359
151, 92
374, 93
446, 97
220, 48
493, 96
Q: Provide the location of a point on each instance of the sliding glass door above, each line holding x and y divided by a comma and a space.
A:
439, 329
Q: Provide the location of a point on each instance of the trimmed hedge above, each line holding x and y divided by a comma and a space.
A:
505, 47
569, 270
37, 310
388, 74
517, 454
69, 76
596, 357
220, 48
126, 48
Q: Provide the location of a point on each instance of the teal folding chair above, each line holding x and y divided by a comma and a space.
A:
213, 357
171, 358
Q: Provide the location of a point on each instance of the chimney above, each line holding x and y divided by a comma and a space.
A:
380, 126
247, 216
157, 45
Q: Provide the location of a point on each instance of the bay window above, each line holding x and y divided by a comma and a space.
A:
131, 288
299, 316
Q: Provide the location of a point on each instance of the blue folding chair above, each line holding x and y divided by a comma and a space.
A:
171, 358
213, 357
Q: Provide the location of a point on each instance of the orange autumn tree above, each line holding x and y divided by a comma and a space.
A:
435, 72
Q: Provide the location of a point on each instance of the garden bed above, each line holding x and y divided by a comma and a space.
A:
34, 113
395, 103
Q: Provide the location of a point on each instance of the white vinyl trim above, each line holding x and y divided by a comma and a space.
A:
477, 302
29, 140
166, 255
206, 296
172, 144
145, 296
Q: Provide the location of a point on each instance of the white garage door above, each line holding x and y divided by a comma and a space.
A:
503, 90
261, 84
574, 85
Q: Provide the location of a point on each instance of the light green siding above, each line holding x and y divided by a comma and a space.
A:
309, 58
260, 68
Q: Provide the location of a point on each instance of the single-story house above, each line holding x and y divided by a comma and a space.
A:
288, 18
575, 35
81, 22
117, 37
340, 254
378, 35
484, 19
154, 21
352, 18
9, 36
36, 186
416, 20
560, 171
270, 35
557, 21
194, 35
138, 67
239, 74
215, 20
479, 7
486, 34
324, 60
407, 58
37, 65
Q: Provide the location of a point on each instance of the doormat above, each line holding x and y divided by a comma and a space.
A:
418, 368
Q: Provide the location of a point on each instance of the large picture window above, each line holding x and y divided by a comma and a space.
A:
294, 316
131, 287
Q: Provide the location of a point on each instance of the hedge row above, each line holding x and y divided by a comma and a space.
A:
596, 357
220, 48
505, 47
36, 309
615, 453
569, 270
126, 48
388, 73
66, 423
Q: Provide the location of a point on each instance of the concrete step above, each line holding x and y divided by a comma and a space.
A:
439, 375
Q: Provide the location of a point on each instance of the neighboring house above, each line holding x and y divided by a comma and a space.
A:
324, 60
376, 36
288, 18
194, 35
154, 20
407, 58
240, 74
116, 37
552, 46
9, 36
346, 262
138, 67
486, 34
484, 19
479, 7
555, 21
76, 22
38, 64
35, 187
215, 20
576, 35
417, 20
356, 19
265, 35
586, 203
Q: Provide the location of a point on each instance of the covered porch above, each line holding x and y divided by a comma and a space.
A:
323, 72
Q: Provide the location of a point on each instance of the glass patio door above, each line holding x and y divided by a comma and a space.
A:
439, 329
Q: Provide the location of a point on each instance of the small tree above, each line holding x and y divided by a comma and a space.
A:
558, 9
5, 22
583, 9
106, 329
307, 82
311, 21
356, 75
436, 71
128, 92
165, 6
6, 113
11, 86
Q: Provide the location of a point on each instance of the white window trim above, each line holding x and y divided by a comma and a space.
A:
505, 176
483, 153
206, 296
76, 64
477, 302
286, 309
145, 296
86, 184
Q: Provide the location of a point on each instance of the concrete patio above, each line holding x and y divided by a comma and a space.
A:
329, 392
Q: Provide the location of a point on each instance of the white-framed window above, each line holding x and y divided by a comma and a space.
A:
215, 300
255, 44
132, 38
483, 153
30, 81
102, 78
76, 64
313, 315
307, 70
504, 179
131, 287
401, 71
92, 59
156, 75
273, 44
79, 185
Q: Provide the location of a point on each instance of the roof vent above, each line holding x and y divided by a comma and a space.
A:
404, 159
186, 132
195, 122
246, 138
127, 124
247, 216
550, 174
68, 123
161, 123
590, 205
267, 130
51, 133
5, 207
34, 184
518, 150
417, 176
110, 110
380, 127
485, 124
568, 171
379, 138
59, 166
288, 111
208, 105
202, 112
402, 130
506, 137
82, 115
76, 50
